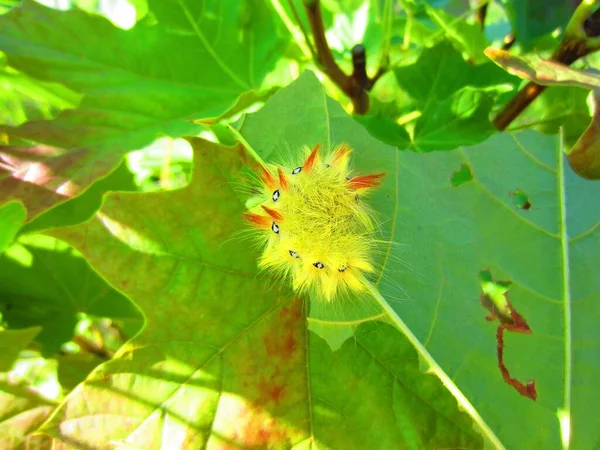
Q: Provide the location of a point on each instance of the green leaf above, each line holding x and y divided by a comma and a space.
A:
441, 71
137, 84
7, 5
457, 120
74, 368
386, 130
189, 372
532, 19
11, 344
82, 207
12, 216
242, 37
21, 411
461, 119
447, 232
371, 366
557, 107
584, 156
42, 176
546, 251
469, 37
453, 101
23, 98
37, 288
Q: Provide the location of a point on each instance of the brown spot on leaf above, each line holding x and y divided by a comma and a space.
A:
271, 391
258, 432
272, 378
283, 343
494, 299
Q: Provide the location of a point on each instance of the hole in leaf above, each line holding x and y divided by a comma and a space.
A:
520, 199
494, 298
462, 175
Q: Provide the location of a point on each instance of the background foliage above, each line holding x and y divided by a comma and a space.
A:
132, 312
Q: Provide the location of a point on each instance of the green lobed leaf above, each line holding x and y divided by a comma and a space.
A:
137, 84
11, 344
82, 207
461, 119
441, 71
22, 98
37, 288
42, 176
224, 360
532, 19
469, 37
546, 250
12, 216
453, 100
21, 411
447, 229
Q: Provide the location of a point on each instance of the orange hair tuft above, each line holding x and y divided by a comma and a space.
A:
366, 181
310, 161
272, 213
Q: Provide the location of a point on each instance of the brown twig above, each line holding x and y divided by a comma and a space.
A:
567, 53
355, 86
509, 41
359, 62
574, 45
481, 13
302, 29
89, 346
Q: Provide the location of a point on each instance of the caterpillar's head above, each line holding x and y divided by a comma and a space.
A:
314, 225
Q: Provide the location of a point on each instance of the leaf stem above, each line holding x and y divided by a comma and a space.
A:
298, 32
324, 59
565, 412
434, 366
387, 16
408, 28
481, 14
211, 51
246, 145
575, 29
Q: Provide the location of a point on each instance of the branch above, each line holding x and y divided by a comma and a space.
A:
575, 44
509, 41
359, 61
481, 13
350, 87
355, 86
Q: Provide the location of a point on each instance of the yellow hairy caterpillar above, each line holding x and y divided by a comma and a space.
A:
312, 223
